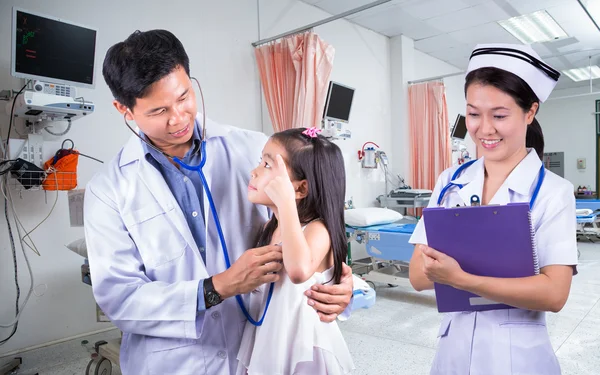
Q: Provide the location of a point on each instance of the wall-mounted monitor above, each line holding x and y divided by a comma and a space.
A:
339, 102
52, 50
459, 131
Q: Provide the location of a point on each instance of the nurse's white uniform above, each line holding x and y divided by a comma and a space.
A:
511, 341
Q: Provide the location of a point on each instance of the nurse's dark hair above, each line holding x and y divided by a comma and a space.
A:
520, 91
132, 66
321, 164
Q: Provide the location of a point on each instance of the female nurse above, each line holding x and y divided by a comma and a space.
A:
504, 87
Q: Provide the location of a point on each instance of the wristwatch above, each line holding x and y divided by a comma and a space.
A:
211, 296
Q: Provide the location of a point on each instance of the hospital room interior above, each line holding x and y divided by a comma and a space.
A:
386, 86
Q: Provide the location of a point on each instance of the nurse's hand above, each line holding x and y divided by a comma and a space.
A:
331, 300
254, 268
440, 268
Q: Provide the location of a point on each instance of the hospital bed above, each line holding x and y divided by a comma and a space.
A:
388, 249
588, 212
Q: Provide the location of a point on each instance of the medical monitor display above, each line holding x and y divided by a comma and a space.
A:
52, 50
460, 128
339, 102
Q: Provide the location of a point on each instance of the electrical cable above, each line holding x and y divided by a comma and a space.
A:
10, 121
15, 264
19, 310
61, 133
28, 233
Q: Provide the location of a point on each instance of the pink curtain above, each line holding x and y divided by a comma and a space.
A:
294, 73
430, 146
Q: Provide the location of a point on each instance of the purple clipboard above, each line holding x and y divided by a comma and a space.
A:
494, 241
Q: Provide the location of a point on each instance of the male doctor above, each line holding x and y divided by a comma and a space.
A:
157, 266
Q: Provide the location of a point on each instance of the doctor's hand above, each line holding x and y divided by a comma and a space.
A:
255, 267
331, 300
280, 188
441, 268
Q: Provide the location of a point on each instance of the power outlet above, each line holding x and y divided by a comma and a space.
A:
35, 149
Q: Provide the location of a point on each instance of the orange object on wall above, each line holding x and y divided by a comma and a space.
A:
63, 174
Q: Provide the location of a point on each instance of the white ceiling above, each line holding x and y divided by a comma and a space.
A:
449, 29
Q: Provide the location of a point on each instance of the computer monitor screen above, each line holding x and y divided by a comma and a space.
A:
339, 102
51, 50
460, 128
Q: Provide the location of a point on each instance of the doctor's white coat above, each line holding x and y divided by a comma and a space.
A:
146, 267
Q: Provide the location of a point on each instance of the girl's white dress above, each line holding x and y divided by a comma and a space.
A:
292, 340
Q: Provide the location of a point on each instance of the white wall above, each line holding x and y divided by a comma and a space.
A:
402, 52
570, 127
217, 36
427, 66
361, 61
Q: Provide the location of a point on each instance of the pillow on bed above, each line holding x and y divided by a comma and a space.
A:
583, 212
78, 247
365, 217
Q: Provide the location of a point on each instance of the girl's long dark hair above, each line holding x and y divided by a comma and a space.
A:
520, 91
321, 164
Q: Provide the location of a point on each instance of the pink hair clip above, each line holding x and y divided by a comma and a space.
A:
311, 132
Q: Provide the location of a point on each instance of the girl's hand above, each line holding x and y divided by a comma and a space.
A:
280, 189
441, 268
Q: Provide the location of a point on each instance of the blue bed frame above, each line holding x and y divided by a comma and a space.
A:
388, 249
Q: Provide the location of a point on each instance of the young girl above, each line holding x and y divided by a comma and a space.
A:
504, 87
301, 178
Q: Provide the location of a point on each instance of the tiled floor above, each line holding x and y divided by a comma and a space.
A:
398, 334
68, 358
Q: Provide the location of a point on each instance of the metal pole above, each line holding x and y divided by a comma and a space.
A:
573, 52
387, 193
573, 96
590, 70
589, 15
435, 78
322, 22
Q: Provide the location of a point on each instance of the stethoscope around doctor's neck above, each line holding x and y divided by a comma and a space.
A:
198, 169
456, 174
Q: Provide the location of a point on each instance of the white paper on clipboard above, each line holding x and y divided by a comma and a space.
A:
76, 207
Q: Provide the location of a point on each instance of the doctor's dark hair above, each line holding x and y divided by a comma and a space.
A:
321, 164
132, 66
520, 91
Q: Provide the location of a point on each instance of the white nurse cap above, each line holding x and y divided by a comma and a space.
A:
520, 60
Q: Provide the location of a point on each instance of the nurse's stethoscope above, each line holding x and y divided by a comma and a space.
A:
451, 184
198, 168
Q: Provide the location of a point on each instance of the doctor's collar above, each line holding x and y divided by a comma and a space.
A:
521, 60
